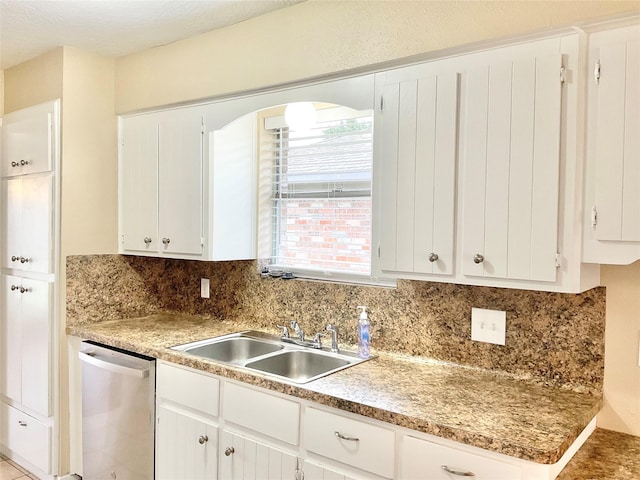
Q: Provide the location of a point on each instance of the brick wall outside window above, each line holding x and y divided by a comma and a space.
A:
337, 229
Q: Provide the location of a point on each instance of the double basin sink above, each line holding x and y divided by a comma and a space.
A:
272, 355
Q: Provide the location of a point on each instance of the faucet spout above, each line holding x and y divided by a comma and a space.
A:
334, 338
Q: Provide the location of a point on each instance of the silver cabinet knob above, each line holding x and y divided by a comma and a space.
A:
22, 289
15, 164
433, 257
14, 288
229, 451
166, 241
477, 258
147, 240
203, 439
14, 258
24, 260
24, 162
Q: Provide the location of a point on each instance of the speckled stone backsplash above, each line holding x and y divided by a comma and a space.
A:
551, 337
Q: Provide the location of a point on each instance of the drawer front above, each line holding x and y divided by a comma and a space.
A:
422, 459
186, 387
247, 407
359, 444
26, 436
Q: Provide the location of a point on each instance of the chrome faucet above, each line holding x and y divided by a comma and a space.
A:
334, 338
299, 332
284, 331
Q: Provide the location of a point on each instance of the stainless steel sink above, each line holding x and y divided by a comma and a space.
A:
235, 350
268, 354
300, 365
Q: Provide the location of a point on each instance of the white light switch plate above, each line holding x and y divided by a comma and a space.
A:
488, 325
204, 287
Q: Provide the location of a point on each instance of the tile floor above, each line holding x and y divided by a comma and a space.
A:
11, 471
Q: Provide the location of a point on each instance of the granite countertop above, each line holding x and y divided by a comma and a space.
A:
606, 455
490, 410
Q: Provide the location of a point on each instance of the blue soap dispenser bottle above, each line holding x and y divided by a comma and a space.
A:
363, 334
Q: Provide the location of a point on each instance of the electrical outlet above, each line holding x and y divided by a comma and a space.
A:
204, 287
488, 325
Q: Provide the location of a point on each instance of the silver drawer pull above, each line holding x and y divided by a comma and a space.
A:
346, 437
21, 423
457, 472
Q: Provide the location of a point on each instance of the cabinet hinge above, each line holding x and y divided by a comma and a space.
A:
557, 260
122, 239
594, 217
202, 242
596, 72
378, 251
381, 104
562, 76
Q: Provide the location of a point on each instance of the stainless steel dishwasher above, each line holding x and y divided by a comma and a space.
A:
118, 396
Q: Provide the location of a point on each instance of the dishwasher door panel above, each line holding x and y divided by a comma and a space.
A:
117, 415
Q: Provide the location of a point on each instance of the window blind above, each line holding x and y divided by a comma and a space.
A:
321, 196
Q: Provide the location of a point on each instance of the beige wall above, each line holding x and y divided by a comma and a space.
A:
319, 37
35, 81
621, 410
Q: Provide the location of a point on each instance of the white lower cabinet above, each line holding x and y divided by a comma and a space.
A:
420, 459
186, 445
242, 458
355, 443
314, 471
210, 427
28, 437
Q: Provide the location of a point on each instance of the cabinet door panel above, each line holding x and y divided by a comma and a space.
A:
10, 338
180, 182
179, 453
139, 183
253, 460
36, 347
417, 154
618, 142
12, 219
511, 158
27, 142
37, 224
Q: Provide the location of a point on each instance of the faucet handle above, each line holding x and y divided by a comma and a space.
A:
334, 337
317, 339
285, 331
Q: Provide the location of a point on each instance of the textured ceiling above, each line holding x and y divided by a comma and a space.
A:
29, 28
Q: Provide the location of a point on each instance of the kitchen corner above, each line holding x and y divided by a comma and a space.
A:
535, 396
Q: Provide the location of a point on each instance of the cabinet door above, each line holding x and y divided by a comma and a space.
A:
27, 211
139, 183
181, 182
422, 459
417, 126
186, 447
313, 471
25, 342
11, 338
242, 458
27, 141
614, 110
36, 345
510, 151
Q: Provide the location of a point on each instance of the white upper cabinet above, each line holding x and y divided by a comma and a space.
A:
612, 201
161, 184
28, 140
510, 162
416, 135
139, 184
27, 216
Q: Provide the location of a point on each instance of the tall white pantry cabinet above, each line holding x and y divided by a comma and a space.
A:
30, 153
